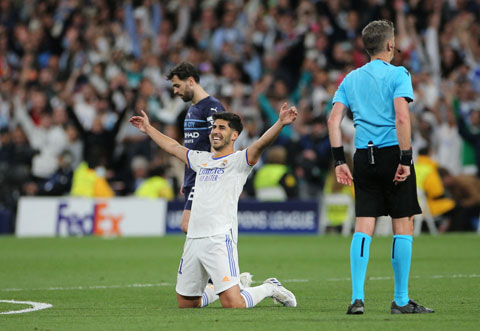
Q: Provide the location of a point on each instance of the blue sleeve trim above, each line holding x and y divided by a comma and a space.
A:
246, 157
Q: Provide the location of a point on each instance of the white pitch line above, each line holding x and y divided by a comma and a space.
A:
416, 277
91, 287
102, 287
35, 306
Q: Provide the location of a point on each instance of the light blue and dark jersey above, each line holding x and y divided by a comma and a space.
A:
197, 127
369, 92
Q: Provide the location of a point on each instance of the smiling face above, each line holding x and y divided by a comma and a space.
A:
183, 88
222, 135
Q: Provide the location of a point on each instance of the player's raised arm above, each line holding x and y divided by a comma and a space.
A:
166, 143
285, 117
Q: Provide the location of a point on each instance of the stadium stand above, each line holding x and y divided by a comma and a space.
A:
80, 69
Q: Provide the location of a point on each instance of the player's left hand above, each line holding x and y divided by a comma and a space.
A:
287, 115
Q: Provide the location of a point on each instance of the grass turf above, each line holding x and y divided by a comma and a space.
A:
129, 283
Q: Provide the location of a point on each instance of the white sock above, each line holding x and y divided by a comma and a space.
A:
253, 295
209, 295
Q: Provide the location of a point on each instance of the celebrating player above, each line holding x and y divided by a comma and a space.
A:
210, 249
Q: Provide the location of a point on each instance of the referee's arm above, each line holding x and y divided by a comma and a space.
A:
336, 116
342, 172
402, 122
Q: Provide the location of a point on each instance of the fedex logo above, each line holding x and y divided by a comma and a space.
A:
98, 222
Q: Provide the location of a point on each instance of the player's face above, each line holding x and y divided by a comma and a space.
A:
182, 88
221, 135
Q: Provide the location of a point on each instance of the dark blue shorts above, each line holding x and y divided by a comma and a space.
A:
188, 193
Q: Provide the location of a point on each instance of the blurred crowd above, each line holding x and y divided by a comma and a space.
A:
73, 71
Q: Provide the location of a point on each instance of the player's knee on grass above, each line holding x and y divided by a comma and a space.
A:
232, 298
188, 302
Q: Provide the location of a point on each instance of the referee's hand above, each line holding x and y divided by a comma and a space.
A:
343, 174
403, 171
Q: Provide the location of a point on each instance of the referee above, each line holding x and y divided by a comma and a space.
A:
378, 95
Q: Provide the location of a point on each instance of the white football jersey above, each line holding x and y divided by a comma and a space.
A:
218, 186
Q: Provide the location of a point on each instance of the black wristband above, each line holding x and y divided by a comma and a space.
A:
338, 155
406, 157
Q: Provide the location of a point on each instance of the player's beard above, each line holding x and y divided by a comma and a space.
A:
225, 142
187, 95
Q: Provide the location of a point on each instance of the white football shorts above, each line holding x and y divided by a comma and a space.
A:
203, 258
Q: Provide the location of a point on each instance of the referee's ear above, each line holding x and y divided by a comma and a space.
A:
389, 45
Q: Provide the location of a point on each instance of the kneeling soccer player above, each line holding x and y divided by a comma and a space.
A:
210, 249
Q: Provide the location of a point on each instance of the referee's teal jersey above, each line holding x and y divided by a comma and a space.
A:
369, 92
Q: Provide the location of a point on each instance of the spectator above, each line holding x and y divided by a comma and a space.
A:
465, 191
274, 181
248, 135
313, 156
447, 142
471, 134
61, 181
139, 166
16, 166
48, 137
155, 186
228, 37
430, 182
89, 178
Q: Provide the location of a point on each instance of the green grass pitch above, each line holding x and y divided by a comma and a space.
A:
129, 284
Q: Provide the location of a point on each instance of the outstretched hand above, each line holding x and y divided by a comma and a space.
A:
287, 115
140, 122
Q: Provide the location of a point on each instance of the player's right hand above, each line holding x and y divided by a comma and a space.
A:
343, 174
140, 122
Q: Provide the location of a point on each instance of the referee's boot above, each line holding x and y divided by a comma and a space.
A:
410, 308
356, 308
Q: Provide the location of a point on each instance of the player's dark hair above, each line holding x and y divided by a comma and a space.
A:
234, 121
375, 35
184, 70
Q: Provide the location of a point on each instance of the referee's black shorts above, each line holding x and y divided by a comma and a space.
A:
375, 192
